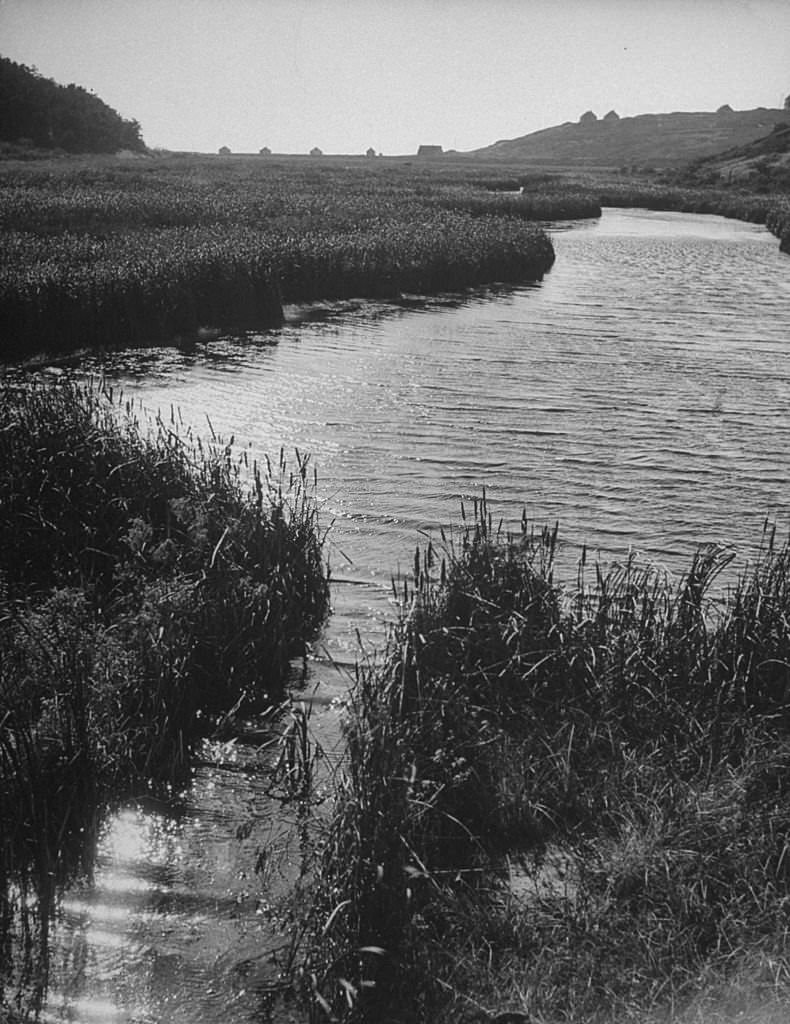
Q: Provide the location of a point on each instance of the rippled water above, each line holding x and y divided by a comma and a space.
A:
639, 395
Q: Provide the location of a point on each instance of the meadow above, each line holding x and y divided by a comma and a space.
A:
564, 801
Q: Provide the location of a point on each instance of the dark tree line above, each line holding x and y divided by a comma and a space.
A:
37, 110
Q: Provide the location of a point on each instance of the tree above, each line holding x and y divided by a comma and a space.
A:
55, 116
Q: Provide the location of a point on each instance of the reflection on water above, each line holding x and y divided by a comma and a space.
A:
639, 395
178, 922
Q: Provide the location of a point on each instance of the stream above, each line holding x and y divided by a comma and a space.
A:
639, 395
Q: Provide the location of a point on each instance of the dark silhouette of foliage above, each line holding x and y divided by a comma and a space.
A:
37, 111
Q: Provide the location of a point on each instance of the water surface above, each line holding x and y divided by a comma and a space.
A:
639, 395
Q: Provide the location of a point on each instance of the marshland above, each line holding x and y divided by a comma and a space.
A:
561, 791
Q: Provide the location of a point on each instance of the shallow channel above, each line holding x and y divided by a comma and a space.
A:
639, 395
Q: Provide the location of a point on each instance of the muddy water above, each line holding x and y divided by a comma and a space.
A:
639, 395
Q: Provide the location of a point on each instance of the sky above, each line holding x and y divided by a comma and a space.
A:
345, 75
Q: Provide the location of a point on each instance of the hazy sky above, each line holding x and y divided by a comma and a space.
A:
348, 74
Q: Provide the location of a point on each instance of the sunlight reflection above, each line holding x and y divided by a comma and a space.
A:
84, 908
136, 835
85, 1010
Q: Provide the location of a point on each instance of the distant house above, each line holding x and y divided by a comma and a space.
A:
315, 151
265, 151
611, 117
588, 118
370, 152
224, 151
430, 151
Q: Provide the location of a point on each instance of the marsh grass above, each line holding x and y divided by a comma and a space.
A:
631, 728
105, 254
149, 582
102, 256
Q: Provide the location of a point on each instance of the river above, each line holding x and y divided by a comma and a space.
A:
639, 395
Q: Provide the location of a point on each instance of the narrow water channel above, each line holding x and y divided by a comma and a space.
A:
639, 395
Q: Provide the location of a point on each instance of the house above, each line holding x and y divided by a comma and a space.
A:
224, 151
430, 151
315, 151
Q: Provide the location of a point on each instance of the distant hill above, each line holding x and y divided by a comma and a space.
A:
763, 163
36, 111
648, 140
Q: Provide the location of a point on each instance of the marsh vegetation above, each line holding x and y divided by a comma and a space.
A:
566, 801
150, 584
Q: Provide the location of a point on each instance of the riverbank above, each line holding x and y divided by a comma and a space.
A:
564, 802
102, 253
150, 585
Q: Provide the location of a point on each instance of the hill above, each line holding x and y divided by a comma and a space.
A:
648, 140
36, 111
762, 164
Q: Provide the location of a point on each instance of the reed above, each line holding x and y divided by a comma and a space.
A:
618, 746
531, 202
149, 582
104, 255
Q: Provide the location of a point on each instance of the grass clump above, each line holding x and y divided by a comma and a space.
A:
148, 583
567, 803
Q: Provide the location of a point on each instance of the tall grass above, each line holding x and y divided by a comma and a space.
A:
99, 255
148, 583
619, 747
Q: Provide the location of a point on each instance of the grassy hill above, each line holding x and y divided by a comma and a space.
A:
763, 164
648, 140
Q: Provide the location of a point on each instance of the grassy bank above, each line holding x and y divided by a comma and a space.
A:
148, 583
113, 253
565, 802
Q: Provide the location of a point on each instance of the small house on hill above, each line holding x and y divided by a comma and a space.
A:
430, 151
265, 151
224, 151
371, 152
315, 151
